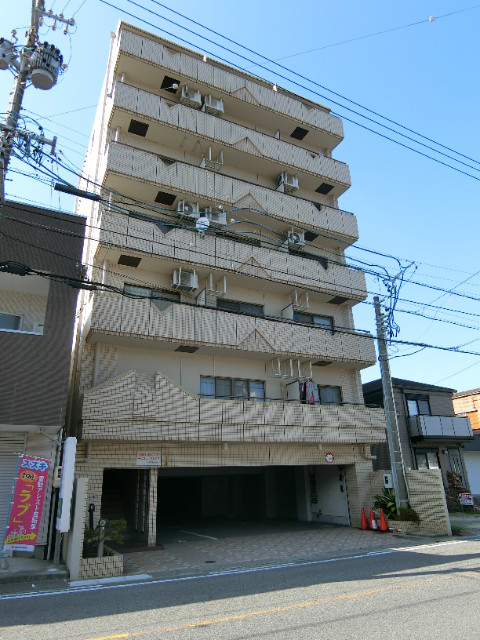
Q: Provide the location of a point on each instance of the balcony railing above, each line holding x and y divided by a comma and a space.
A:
440, 427
197, 183
229, 134
138, 407
216, 252
191, 67
203, 326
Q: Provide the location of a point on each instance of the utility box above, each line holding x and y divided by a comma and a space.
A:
387, 481
57, 477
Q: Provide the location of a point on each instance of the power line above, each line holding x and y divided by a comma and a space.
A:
207, 254
298, 84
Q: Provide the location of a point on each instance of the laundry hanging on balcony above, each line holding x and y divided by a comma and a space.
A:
309, 393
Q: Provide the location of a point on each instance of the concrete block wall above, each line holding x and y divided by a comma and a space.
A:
426, 496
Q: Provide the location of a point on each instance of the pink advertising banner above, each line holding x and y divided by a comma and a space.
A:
26, 509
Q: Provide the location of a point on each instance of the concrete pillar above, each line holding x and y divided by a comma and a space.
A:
304, 512
152, 508
359, 490
73, 540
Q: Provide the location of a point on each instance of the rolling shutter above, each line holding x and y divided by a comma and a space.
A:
11, 444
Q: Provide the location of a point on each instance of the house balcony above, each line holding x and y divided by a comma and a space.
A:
143, 57
120, 233
139, 407
141, 174
440, 428
118, 319
177, 127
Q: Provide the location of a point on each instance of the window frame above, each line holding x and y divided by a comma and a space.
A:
165, 298
326, 387
239, 306
312, 323
222, 380
4, 314
417, 399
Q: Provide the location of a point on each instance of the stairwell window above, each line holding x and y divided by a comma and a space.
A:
161, 298
232, 388
326, 322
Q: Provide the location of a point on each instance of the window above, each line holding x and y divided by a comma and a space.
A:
427, 460
232, 388
319, 321
10, 322
418, 405
240, 307
330, 395
161, 298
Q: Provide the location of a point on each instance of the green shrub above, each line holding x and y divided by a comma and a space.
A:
386, 501
113, 532
408, 514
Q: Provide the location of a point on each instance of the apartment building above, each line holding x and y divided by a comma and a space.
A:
37, 316
220, 376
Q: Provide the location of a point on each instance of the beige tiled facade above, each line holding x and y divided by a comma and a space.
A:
267, 305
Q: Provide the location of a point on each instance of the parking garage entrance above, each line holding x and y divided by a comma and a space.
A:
199, 496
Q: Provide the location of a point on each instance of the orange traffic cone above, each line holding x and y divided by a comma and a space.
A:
372, 521
383, 524
364, 524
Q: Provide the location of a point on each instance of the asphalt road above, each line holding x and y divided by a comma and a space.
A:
429, 591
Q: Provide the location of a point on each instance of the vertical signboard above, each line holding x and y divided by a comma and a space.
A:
66, 488
27, 504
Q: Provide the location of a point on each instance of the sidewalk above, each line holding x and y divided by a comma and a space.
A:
30, 570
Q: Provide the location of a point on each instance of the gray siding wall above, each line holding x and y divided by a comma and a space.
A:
34, 369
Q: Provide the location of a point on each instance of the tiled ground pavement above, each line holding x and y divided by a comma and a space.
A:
191, 550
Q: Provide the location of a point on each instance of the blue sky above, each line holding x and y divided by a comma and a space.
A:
418, 72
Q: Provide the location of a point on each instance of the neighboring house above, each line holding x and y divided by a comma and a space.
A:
37, 316
221, 375
467, 403
431, 435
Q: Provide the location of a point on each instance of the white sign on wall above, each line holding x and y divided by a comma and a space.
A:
149, 458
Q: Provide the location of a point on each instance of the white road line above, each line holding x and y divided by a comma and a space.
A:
288, 565
200, 535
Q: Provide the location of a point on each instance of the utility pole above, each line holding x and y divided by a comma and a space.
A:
37, 63
393, 436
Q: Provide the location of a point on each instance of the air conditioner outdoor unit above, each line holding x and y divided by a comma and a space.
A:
188, 209
296, 238
217, 217
184, 280
213, 105
289, 182
191, 98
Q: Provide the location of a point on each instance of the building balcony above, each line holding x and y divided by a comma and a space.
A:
143, 57
440, 428
116, 318
248, 152
120, 233
141, 174
138, 407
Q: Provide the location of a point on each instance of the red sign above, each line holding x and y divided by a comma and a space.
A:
27, 504
329, 458
465, 498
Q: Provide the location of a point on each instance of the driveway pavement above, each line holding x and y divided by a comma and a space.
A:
197, 548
